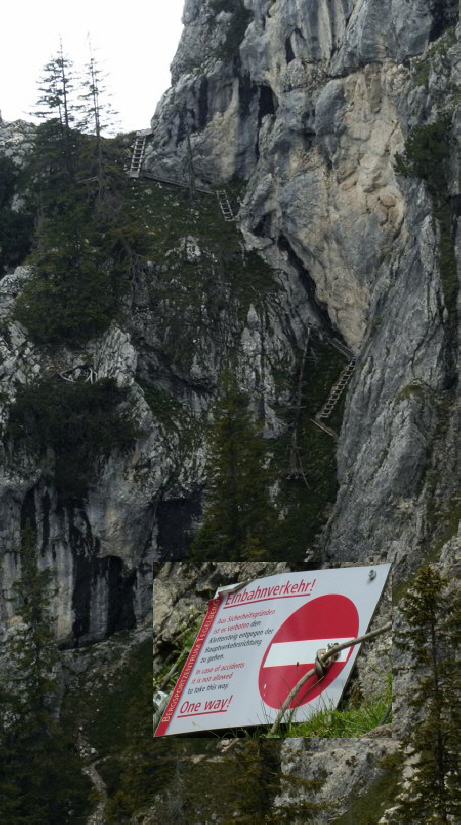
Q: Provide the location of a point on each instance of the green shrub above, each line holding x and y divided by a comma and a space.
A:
8, 175
70, 309
164, 407
426, 153
421, 72
15, 233
444, 15
239, 516
426, 156
80, 422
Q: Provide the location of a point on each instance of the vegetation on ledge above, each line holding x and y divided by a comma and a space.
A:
78, 421
426, 156
77, 192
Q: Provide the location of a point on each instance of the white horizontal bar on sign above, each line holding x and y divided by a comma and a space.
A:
302, 652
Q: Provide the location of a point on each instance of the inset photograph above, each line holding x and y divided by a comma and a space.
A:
262, 649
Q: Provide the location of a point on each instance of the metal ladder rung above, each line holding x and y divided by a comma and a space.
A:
336, 391
224, 204
137, 157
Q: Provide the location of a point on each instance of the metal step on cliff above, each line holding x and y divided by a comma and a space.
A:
325, 429
224, 204
138, 152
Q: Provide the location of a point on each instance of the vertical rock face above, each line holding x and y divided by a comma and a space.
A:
96, 548
310, 102
301, 107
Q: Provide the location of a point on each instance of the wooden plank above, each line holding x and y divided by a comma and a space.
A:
325, 429
172, 182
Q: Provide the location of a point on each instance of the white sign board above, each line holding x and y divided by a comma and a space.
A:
257, 641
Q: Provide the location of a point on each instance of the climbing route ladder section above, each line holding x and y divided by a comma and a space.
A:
135, 171
333, 398
336, 391
138, 152
224, 204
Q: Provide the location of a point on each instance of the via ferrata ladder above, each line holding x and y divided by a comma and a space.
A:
226, 208
138, 152
336, 391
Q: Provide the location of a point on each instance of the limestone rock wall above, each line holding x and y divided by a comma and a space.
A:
311, 106
145, 503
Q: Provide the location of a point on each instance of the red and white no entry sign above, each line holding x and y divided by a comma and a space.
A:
259, 638
292, 651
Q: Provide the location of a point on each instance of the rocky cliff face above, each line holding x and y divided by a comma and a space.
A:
300, 108
309, 103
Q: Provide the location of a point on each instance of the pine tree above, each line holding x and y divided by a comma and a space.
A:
189, 780
16, 225
239, 518
40, 777
86, 238
56, 142
97, 117
430, 635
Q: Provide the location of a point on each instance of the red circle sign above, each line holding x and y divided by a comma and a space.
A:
331, 618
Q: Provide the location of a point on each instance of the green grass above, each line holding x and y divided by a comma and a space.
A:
351, 722
412, 390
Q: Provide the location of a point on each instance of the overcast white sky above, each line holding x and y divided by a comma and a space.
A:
135, 42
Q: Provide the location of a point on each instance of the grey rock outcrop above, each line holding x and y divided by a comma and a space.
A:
16, 140
314, 760
395, 416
